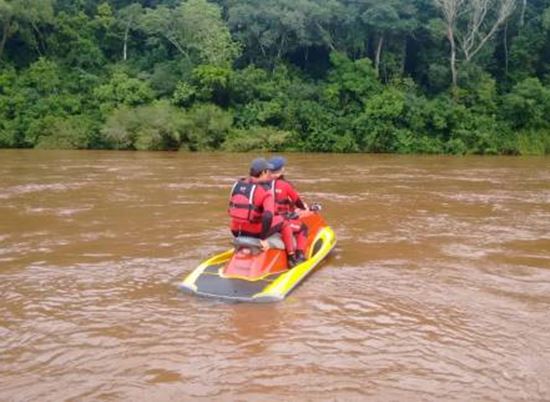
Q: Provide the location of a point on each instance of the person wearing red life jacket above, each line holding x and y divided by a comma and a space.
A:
287, 200
252, 209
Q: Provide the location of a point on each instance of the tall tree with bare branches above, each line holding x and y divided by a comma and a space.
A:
470, 24
451, 10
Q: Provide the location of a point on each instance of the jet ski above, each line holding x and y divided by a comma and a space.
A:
246, 273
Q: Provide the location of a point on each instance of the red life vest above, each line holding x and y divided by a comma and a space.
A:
282, 204
241, 202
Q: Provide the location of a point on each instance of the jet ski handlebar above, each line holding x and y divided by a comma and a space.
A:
315, 207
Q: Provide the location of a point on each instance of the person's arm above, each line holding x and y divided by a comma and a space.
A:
295, 197
267, 217
300, 204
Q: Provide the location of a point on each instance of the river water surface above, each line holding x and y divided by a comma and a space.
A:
438, 289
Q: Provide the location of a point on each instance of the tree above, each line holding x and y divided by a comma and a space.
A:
122, 89
75, 42
529, 52
388, 18
104, 28
17, 15
208, 33
128, 18
313, 75
279, 27
451, 9
195, 26
31, 102
164, 22
471, 24
528, 105
256, 139
350, 82
475, 36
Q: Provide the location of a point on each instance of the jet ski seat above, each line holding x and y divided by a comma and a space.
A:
274, 241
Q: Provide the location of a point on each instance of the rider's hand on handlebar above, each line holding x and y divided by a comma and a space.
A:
293, 215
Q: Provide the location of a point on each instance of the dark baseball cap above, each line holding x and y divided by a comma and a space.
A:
259, 165
277, 162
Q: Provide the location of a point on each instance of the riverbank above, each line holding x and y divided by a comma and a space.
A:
207, 127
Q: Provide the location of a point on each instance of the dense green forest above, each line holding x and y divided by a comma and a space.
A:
405, 76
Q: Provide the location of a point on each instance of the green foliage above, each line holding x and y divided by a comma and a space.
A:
206, 127
127, 22
350, 82
379, 124
73, 132
30, 102
409, 143
528, 105
152, 127
243, 75
330, 141
212, 83
546, 19
165, 76
256, 139
123, 90
74, 41
534, 142
208, 33
184, 94
249, 84
195, 28
479, 91
22, 17
273, 29
162, 126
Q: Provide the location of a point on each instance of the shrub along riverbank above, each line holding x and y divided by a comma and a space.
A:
241, 75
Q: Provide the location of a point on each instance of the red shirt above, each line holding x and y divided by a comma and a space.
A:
286, 196
263, 198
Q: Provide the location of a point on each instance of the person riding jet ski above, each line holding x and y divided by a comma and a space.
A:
287, 200
252, 209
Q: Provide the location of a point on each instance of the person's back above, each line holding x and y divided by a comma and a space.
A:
286, 200
252, 209
286, 197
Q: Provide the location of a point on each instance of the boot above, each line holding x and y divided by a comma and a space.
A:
300, 257
291, 260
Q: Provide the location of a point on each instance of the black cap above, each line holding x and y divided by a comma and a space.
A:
258, 166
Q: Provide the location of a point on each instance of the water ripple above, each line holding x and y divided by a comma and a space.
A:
438, 288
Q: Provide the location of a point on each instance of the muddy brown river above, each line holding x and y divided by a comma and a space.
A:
438, 289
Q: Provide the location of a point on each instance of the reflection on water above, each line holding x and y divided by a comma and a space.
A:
438, 289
